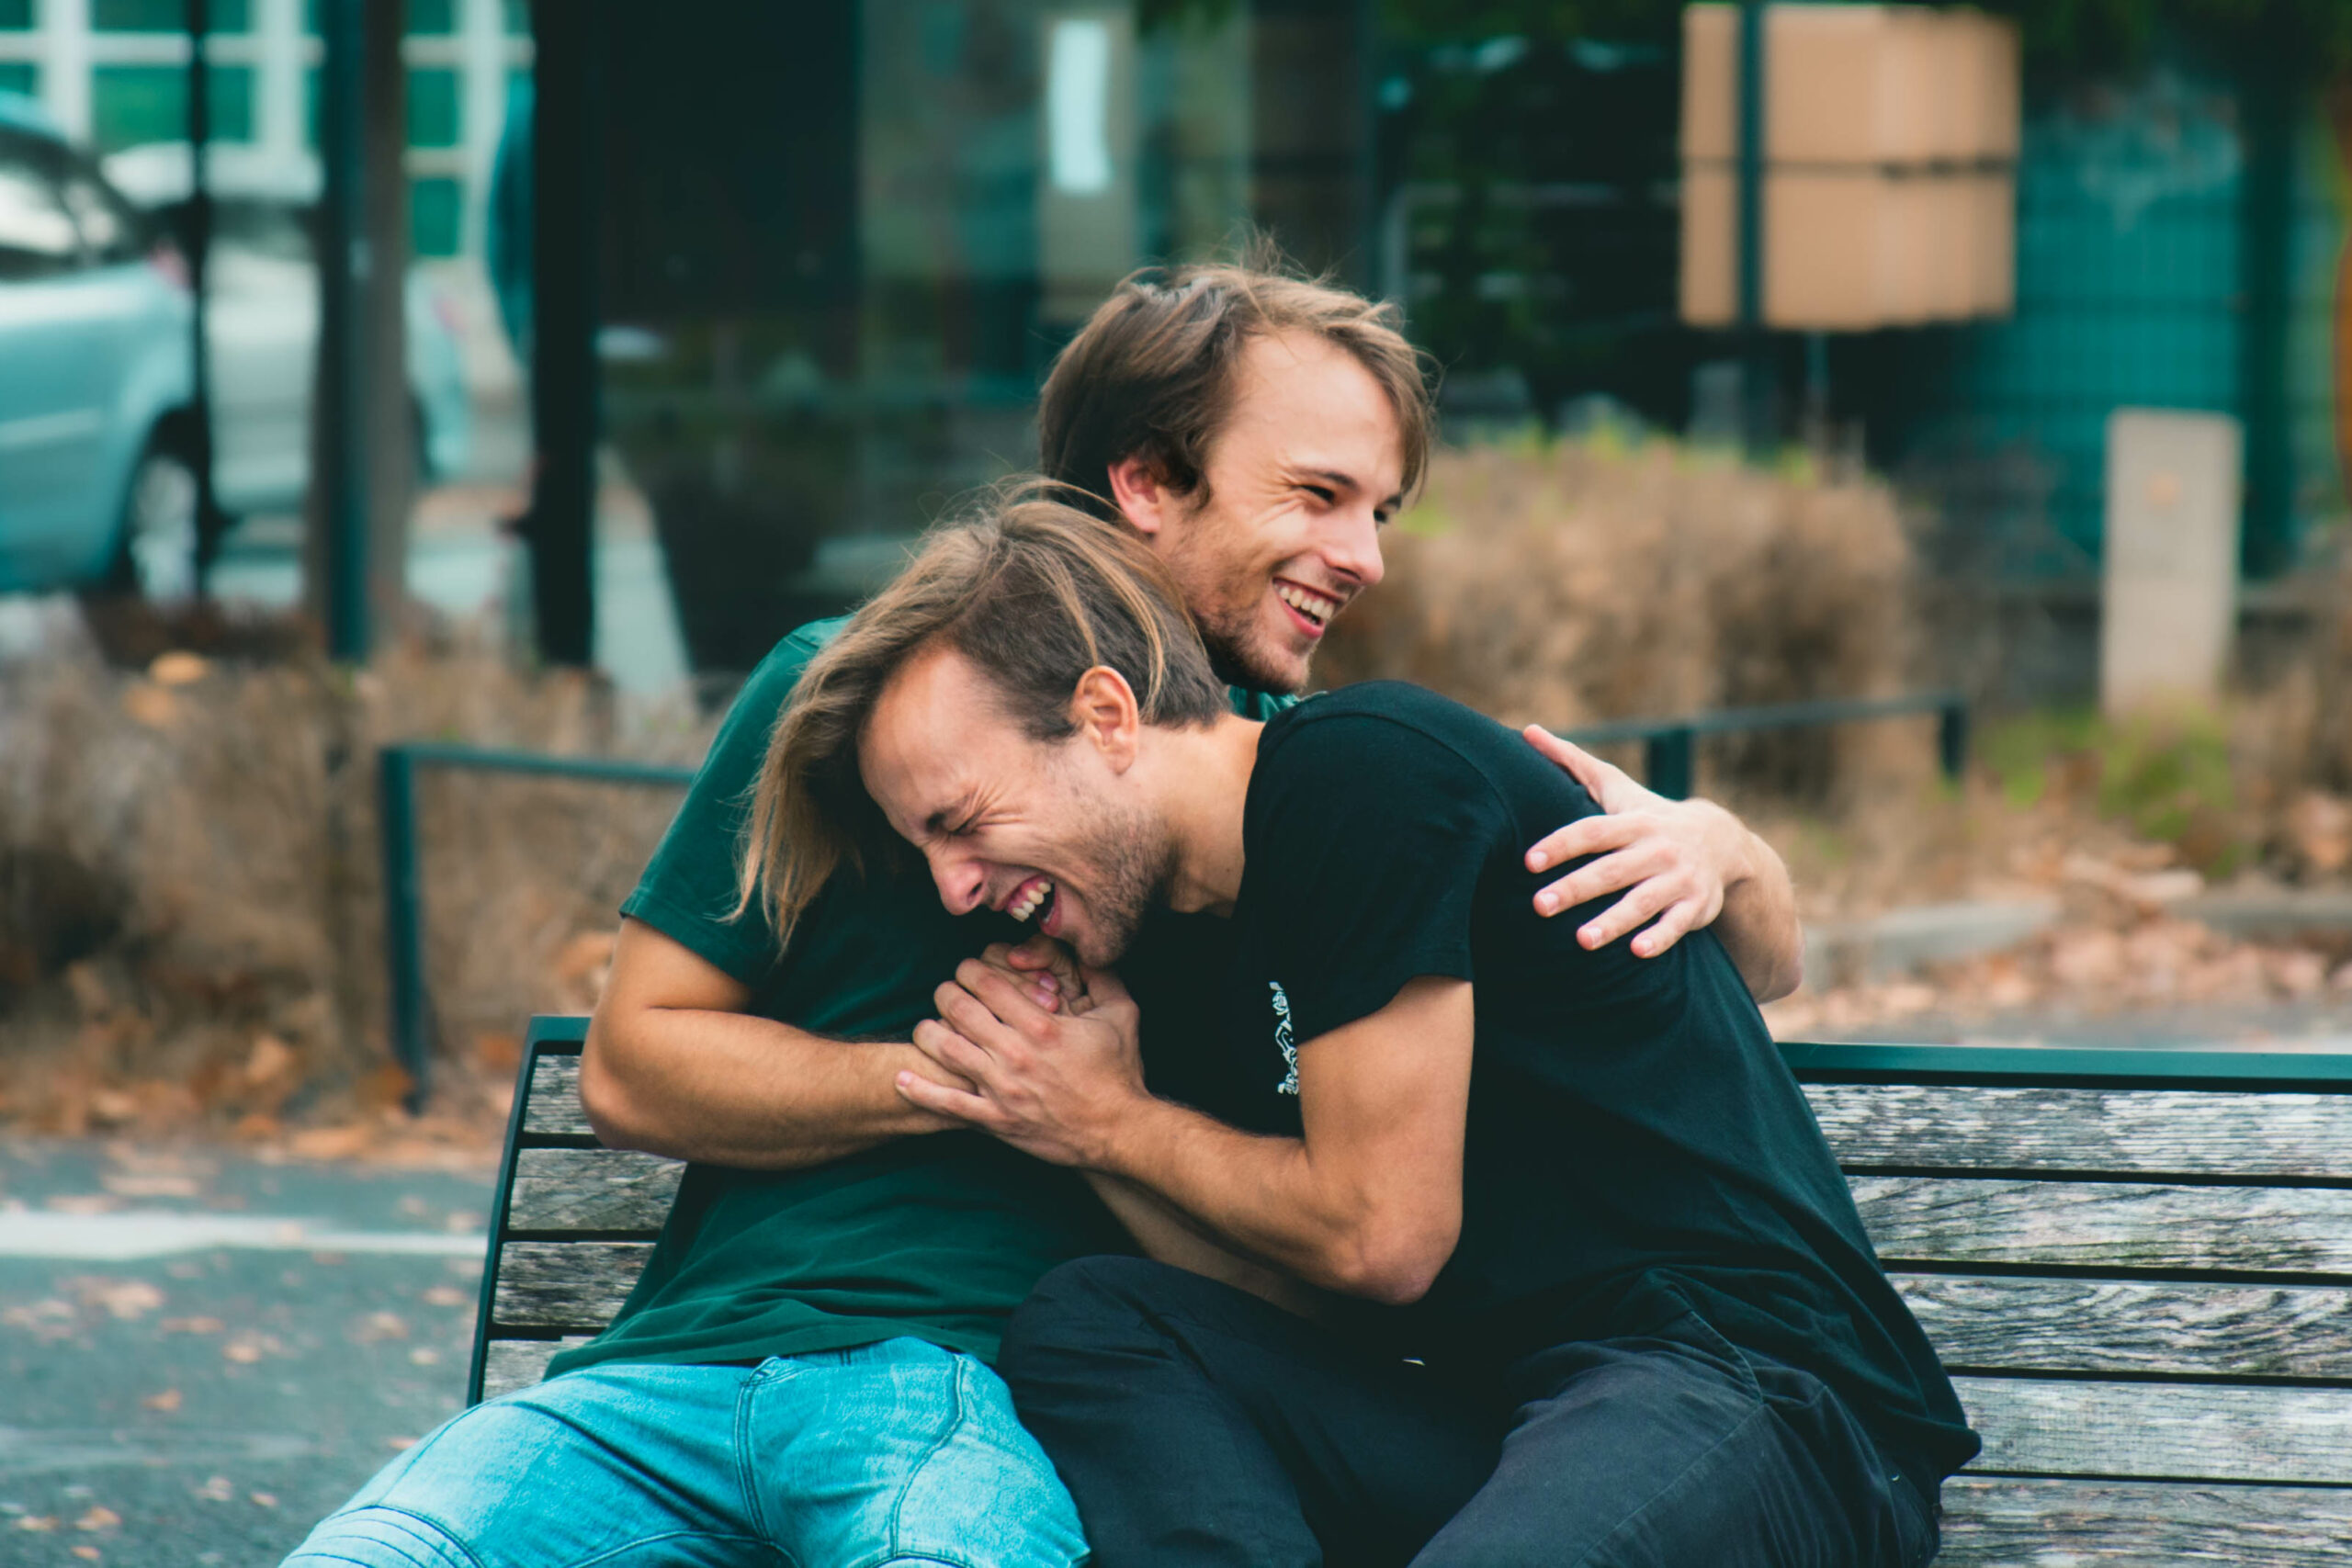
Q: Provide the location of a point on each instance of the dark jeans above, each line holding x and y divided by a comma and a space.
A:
1196, 1425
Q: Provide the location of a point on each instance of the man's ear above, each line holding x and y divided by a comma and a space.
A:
1107, 715
1141, 493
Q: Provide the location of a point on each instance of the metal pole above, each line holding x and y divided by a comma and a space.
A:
343, 271
559, 524
1667, 760
404, 918
210, 522
1756, 373
1951, 739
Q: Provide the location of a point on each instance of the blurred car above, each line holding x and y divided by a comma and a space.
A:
96, 487
263, 326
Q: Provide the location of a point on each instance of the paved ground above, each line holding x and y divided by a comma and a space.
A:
201, 1354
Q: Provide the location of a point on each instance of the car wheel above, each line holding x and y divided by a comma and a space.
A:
160, 535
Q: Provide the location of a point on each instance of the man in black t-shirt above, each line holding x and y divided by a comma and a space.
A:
1591, 1288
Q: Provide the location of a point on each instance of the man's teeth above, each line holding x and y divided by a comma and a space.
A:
1039, 891
1313, 605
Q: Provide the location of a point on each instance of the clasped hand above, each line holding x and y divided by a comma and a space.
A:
1049, 1052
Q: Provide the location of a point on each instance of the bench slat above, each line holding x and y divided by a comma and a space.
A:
521, 1363
565, 1284
2118, 1132
554, 1103
1999, 1523
592, 1189
2107, 1223
2212, 1432
2106, 1325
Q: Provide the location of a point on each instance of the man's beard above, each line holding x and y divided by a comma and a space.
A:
1234, 640
1132, 865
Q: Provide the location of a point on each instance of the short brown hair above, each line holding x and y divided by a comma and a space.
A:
1035, 593
1151, 373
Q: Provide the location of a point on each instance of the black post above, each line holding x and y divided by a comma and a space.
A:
1951, 739
1756, 359
559, 525
1667, 759
211, 523
341, 475
2269, 102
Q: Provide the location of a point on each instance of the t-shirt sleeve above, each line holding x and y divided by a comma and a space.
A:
1370, 842
688, 891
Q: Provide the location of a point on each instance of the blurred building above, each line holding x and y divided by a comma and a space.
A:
113, 74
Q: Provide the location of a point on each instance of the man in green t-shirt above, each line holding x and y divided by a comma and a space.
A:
803, 1361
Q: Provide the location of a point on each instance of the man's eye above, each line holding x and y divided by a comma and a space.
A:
1323, 494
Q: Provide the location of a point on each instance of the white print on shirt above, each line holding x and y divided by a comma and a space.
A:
1282, 1039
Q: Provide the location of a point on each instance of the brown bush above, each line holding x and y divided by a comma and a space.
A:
1569, 584
191, 922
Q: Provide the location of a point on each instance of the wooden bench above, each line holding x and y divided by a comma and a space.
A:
2137, 1266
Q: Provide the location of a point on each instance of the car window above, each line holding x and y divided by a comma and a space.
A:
37, 234
112, 232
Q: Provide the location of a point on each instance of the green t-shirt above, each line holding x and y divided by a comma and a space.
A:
936, 1237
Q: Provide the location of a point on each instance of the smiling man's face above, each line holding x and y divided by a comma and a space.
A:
1305, 469
1042, 830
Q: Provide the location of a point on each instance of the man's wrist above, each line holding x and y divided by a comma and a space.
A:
1733, 847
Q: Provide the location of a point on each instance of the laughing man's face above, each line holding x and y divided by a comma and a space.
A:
1306, 468
1041, 830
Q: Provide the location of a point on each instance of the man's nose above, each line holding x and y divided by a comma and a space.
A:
1356, 552
963, 885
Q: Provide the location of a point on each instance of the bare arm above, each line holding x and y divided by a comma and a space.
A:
1367, 1203
1682, 864
674, 1066
1165, 1235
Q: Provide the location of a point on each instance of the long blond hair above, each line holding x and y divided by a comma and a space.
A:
1035, 593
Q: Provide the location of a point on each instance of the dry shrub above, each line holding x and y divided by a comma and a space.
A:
192, 919
1573, 582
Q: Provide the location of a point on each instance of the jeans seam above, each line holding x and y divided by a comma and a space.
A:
745, 1470
914, 1473
443, 1534
1653, 1500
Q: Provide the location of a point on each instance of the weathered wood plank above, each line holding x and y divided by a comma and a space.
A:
592, 1189
554, 1104
2115, 1131
1996, 1523
2107, 1223
565, 1284
2107, 1325
2209, 1431
521, 1363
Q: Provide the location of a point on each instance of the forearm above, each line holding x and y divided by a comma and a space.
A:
1264, 1198
735, 1089
1759, 925
1166, 1234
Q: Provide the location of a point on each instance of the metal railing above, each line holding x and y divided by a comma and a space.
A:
1669, 763
1668, 766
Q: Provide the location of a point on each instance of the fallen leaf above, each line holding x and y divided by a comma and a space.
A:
267, 1499
245, 1352
167, 1400
270, 1058
216, 1489
192, 1325
425, 1356
330, 1143
398, 1445
125, 1300
380, 1325
37, 1522
498, 1051
151, 704
99, 1517
447, 1296
88, 1553
178, 668
83, 1204
137, 1184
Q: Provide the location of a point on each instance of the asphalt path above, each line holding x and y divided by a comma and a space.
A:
202, 1353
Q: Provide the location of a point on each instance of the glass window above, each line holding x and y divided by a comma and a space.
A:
518, 17
434, 16
16, 16
163, 16
36, 235
435, 213
111, 233
21, 76
132, 104
433, 107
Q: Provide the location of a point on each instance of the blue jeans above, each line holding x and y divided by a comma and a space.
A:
896, 1453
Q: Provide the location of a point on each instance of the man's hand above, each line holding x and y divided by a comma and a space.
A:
1052, 1083
1049, 971
1680, 863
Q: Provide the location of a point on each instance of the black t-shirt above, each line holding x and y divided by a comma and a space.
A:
1632, 1126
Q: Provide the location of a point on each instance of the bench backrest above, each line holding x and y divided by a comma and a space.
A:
2136, 1265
